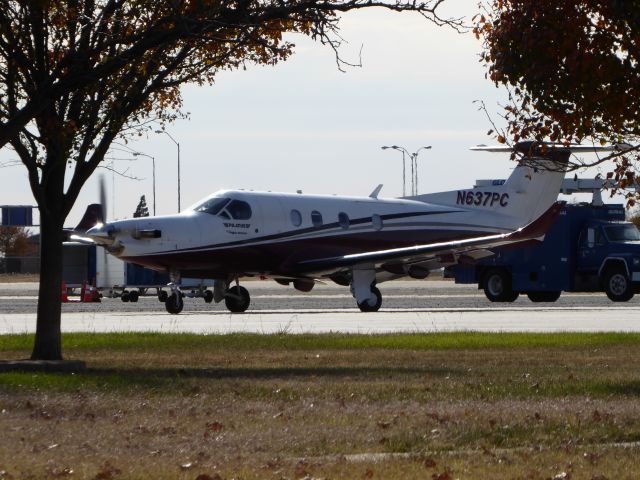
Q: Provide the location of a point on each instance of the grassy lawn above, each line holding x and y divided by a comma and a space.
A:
434, 406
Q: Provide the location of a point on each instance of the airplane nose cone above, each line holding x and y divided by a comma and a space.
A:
101, 233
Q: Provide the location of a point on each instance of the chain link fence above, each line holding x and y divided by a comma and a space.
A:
16, 265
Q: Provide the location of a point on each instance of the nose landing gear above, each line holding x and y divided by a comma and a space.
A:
174, 302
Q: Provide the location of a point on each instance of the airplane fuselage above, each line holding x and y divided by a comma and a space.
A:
264, 233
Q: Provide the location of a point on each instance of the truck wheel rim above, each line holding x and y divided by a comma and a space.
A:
495, 285
618, 284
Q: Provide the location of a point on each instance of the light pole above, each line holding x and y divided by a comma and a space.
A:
177, 145
414, 157
403, 151
414, 167
153, 162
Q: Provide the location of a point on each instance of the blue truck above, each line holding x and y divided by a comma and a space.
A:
589, 248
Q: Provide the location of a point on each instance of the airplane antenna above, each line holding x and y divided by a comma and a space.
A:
375, 192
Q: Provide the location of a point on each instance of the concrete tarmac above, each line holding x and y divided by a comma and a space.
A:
408, 306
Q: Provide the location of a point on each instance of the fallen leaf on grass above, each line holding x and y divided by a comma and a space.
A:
368, 473
204, 476
107, 472
214, 426
429, 463
60, 472
300, 470
591, 457
442, 476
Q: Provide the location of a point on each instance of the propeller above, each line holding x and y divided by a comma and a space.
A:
103, 197
106, 282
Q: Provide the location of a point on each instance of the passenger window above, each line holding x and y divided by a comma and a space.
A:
296, 218
376, 221
316, 218
239, 210
343, 220
599, 237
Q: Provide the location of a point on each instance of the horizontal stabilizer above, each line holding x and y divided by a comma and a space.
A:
541, 149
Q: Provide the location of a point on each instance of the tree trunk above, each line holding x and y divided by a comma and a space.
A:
48, 341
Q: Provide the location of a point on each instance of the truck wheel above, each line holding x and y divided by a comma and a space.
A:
543, 296
617, 285
497, 286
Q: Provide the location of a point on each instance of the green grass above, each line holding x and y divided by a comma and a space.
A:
77, 342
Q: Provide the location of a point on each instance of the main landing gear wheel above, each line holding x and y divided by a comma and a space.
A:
543, 296
174, 303
366, 307
237, 299
497, 286
617, 285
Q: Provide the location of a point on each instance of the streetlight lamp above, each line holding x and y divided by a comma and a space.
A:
403, 151
153, 162
177, 145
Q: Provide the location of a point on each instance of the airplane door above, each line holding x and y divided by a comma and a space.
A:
270, 216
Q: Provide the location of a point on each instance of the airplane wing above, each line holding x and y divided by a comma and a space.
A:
469, 248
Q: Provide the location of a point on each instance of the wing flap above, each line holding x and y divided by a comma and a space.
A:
420, 253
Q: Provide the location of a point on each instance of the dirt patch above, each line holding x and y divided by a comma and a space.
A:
19, 278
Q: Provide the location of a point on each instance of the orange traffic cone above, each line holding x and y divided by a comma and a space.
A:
83, 291
63, 294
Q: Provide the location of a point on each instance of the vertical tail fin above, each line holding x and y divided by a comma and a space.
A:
92, 216
530, 190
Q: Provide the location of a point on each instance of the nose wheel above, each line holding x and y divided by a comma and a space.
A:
237, 299
174, 302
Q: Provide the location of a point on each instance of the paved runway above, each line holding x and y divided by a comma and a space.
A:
408, 306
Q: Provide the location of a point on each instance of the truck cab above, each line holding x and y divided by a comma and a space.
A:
608, 258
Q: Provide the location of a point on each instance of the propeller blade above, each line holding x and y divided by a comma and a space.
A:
103, 198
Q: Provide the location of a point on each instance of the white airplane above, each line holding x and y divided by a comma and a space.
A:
354, 241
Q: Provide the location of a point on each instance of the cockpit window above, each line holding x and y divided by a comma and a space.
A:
622, 233
212, 205
225, 208
239, 210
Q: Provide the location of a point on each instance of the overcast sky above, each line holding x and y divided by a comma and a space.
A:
304, 125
